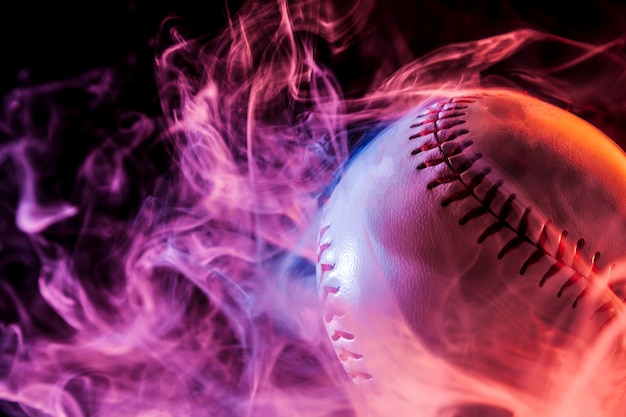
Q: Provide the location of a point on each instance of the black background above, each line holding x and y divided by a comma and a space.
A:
45, 43
55, 40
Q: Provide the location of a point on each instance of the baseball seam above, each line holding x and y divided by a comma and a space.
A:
332, 313
438, 124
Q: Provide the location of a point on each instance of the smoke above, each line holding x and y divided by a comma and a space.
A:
163, 265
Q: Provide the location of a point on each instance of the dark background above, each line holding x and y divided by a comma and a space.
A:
47, 43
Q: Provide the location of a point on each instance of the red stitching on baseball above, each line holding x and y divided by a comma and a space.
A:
495, 227
327, 291
562, 240
467, 163
432, 163
579, 245
451, 113
554, 269
424, 132
324, 268
331, 314
447, 124
440, 106
473, 214
454, 106
519, 239
580, 296
448, 135
571, 281
425, 147
338, 334
347, 354
432, 120
443, 134
323, 230
357, 374
539, 253
321, 249
492, 193
594, 261
422, 123
531, 260
444, 179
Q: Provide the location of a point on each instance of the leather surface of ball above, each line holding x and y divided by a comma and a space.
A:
476, 228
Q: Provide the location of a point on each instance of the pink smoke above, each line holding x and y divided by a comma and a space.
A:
204, 302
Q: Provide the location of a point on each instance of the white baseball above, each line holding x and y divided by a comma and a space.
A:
475, 228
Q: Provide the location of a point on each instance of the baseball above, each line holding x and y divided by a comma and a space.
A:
478, 230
